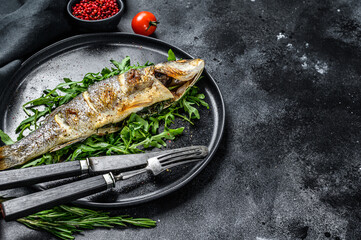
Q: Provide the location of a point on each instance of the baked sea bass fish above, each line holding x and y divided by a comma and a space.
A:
103, 104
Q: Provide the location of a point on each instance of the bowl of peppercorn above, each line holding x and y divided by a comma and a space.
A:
95, 15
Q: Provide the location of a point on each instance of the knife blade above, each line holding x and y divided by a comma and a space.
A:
119, 163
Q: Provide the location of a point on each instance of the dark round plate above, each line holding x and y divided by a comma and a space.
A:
76, 56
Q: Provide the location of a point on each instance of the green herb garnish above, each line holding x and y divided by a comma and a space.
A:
63, 221
171, 55
5, 138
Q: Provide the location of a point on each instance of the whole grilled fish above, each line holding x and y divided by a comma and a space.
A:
104, 103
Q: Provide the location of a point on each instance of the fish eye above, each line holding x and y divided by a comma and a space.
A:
159, 75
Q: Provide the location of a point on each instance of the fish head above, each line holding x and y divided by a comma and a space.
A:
179, 75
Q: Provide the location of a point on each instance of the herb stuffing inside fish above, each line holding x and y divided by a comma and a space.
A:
103, 104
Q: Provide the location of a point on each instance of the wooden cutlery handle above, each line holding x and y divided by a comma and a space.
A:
29, 176
23, 206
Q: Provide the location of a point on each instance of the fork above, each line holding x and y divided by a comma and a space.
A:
38, 201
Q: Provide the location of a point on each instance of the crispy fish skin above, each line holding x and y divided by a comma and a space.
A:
106, 102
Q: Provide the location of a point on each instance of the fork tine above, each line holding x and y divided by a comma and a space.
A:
178, 164
182, 162
188, 152
177, 159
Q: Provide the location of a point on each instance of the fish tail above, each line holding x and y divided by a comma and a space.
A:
23, 150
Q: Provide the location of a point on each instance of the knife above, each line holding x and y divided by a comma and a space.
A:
119, 163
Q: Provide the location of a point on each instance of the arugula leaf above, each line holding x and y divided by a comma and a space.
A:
157, 140
126, 136
135, 118
171, 55
105, 72
192, 111
154, 124
123, 65
5, 138
46, 159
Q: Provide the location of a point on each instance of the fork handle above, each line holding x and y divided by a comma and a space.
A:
29, 204
29, 176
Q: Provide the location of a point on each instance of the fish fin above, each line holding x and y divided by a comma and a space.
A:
66, 144
107, 129
3, 158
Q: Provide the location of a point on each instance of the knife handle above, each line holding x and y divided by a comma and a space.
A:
29, 176
29, 204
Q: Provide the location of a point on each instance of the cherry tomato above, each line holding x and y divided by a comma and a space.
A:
144, 23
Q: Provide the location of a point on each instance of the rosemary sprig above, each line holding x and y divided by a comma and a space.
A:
64, 221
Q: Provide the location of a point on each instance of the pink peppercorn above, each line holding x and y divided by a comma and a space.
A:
95, 9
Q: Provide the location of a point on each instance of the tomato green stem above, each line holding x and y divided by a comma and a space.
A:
152, 23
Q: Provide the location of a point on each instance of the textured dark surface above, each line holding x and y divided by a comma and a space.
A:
289, 167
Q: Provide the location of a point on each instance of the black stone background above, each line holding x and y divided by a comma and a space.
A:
289, 166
